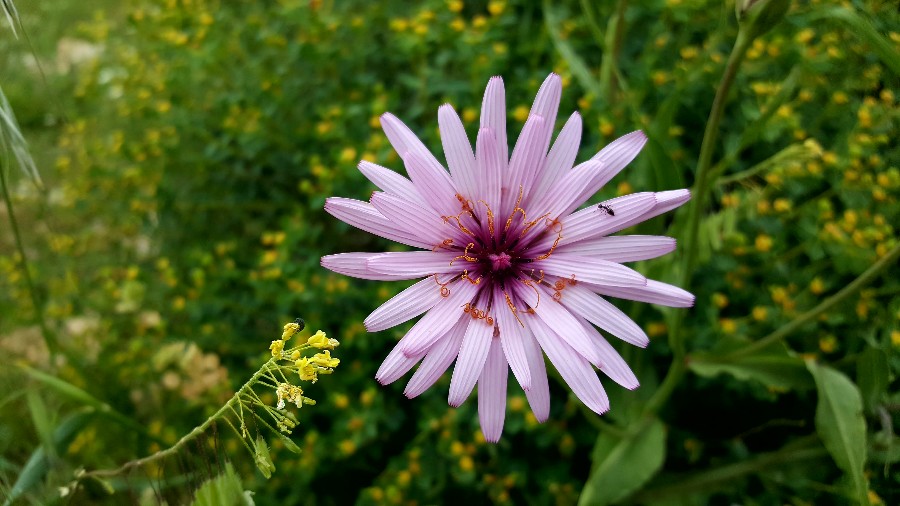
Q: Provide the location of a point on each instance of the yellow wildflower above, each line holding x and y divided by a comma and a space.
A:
289, 330
306, 370
325, 359
321, 341
277, 347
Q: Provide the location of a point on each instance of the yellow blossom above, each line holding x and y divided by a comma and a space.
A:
306, 370
277, 347
325, 359
289, 330
321, 341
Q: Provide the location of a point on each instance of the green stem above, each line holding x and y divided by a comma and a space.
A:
49, 338
865, 278
200, 429
710, 138
612, 41
701, 187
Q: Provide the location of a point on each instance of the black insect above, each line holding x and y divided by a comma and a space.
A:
301, 323
605, 208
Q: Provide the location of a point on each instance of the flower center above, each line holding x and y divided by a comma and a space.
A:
500, 261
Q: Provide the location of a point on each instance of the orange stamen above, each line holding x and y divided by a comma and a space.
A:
445, 244
445, 292
465, 275
490, 215
512, 307
516, 209
466, 255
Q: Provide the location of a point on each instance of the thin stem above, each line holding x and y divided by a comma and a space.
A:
248, 386
700, 190
710, 137
612, 42
49, 338
865, 278
806, 449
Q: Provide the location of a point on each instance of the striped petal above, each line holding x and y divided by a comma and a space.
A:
354, 264
404, 306
472, 356
583, 302
590, 270
438, 319
389, 181
614, 365
365, 216
572, 366
561, 157
412, 264
512, 340
492, 393
493, 118
556, 316
458, 151
539, 395
621, 248
655, 293
439, 358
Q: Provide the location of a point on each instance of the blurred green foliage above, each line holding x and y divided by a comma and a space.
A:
188, 147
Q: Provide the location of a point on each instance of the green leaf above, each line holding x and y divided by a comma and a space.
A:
223, 490
622, 466
773, 367
840, 424
262, 458
872, 376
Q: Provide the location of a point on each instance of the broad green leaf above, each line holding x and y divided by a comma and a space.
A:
37, 464
840, 424
622, 466
773, 367
223, 490
872, 376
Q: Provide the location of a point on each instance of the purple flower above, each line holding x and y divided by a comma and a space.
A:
509, 266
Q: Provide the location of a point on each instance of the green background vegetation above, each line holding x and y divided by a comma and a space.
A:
187, 148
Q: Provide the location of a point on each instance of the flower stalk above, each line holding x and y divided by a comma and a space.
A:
245, 402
